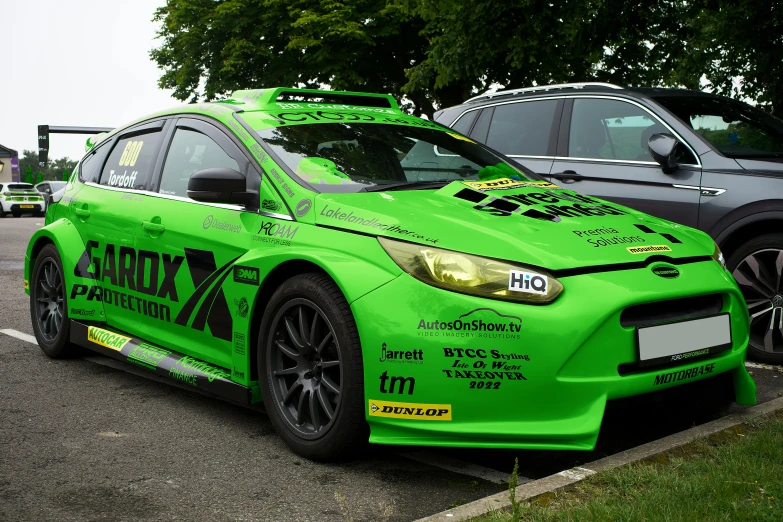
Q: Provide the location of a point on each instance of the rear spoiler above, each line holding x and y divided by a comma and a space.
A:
45, 130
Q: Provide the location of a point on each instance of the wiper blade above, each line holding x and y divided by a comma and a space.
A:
408, 185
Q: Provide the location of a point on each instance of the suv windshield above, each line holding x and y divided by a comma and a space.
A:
343, 157
736, 129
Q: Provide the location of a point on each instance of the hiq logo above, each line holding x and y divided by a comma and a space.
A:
519, 281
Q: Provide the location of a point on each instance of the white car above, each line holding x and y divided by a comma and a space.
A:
20, 198
47, 188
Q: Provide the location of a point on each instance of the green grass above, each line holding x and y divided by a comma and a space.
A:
734, 475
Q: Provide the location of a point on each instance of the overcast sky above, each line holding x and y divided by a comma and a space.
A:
76, 62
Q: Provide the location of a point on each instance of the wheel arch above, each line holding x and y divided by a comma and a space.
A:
749, 227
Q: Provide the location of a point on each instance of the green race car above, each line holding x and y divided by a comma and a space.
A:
370, 275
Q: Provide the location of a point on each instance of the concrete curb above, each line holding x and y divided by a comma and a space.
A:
559, 480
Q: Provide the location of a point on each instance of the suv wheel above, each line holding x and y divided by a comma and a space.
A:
310, 367
758, 268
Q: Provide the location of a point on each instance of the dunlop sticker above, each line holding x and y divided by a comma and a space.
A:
106, 338
647, 249
410, 410
506, 183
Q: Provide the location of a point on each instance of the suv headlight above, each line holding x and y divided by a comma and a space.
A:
473, 275
718, 256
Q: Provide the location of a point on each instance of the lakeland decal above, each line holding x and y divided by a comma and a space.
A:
349, 217
482, 322
410, 410
106, 338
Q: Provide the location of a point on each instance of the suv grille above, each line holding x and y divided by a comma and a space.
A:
671, 310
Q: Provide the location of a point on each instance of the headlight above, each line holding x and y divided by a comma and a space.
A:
473, 275
718, 256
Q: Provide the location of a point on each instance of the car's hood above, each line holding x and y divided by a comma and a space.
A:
537, 224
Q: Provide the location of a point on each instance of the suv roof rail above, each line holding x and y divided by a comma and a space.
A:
580, 85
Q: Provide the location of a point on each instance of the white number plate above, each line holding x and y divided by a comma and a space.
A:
684, 340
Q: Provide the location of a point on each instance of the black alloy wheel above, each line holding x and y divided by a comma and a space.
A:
310, 368
49, 305
306, 374
759, 273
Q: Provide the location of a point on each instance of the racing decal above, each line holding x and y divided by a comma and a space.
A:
667, 272
648, 248
606, 236
242, 307
528, 282
258, 152
81, 311
106, 338
339, 215
666, 378
239, 343
283, 183
487, 369
410, 410
398, 385
276, 233
211, 222
648, 230
247, 275
482, 322
153, 274
164, 362
401, 356
270, 205
550, 201
506, 183
131, 153
303, 207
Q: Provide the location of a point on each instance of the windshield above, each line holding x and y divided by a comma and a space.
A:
350, 157
736, 129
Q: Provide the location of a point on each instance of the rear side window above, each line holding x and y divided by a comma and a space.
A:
465, 121
90, 167
131, 161
522, 128
479, 132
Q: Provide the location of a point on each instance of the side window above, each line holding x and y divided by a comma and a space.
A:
90, 166
479, 132
191, 151
609, 129
522, 128
131, 161
465, 121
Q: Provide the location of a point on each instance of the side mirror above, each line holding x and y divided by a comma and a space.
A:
663, 149
219, 185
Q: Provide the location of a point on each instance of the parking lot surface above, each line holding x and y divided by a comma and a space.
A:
91, 439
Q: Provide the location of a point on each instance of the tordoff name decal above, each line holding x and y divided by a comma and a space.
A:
666, 378
106, 338
410, 410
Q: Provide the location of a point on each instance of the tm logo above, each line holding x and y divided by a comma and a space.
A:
246, 275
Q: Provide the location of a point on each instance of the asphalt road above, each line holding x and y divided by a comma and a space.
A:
88, 440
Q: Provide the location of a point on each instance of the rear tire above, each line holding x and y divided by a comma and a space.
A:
310, 368
49, 305
758, 268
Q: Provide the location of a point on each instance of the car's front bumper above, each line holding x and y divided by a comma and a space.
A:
548, 382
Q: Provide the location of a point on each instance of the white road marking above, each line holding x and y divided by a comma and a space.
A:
459, 466
576, 473
20, 335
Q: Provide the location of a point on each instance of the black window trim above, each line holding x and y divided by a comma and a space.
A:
565, 130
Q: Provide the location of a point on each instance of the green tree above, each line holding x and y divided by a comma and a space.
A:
28, 177
212, 48
28, 163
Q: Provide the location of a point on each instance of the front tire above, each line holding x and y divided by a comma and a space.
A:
758, 268
49, 305
310, 367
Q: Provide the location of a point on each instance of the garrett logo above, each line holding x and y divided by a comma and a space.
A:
207, 222
668, 272
410, 411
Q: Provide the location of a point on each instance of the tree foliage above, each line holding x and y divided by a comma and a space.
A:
438, 52
53, 171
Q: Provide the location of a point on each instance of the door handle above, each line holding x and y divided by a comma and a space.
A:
568, 176
153, 227
82, 212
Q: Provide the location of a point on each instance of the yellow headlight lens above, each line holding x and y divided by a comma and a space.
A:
473, 275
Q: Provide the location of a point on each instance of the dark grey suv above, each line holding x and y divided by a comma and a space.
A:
702, 160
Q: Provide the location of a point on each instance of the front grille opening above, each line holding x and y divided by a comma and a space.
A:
671, 310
